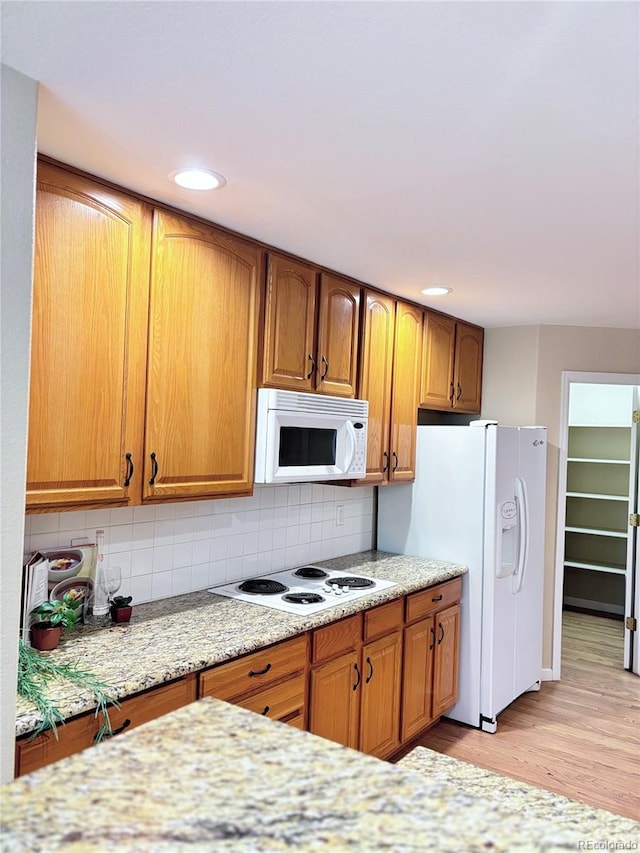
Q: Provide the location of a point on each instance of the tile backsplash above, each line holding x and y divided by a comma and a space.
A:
173, 548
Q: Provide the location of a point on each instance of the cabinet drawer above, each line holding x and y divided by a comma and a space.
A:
381, 620
334, 639
255, 670
434, 598
281, 700
80, 733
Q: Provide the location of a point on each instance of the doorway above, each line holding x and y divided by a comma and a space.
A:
597, 536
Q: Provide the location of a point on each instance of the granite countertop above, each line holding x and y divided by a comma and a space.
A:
175, 636
212, 776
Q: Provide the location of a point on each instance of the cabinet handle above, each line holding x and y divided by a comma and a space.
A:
385, 467
130, 469
260, 672
357, 669
395, 461
441, 637
313, 366
326, 369
433, 638
154, 469
452, 392
370, 676
265, 711
437, 597
459, 394
115, 732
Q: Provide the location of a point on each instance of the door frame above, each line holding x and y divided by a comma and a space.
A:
569, 378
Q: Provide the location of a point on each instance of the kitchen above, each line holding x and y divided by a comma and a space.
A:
523, 358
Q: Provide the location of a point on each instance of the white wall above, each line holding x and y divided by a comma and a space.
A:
522, 384
175, 548
19, 102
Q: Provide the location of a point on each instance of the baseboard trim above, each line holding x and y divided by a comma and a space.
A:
594, 606
547, 675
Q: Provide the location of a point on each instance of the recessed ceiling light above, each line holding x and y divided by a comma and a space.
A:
197, 179
437, 291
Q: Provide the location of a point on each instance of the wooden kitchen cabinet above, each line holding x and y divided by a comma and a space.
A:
390, 372
430, 665
200, 403
452, 375
310, 339
89, 336
272, 681
80, 733
355, 692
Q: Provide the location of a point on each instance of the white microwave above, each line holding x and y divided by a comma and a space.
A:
305, 438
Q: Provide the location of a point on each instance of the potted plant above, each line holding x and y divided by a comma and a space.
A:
54, 617
121, 608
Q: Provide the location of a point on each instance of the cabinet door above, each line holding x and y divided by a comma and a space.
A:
407, 358
335, 699
380, 696
288, 359
417, 689
445, 664
467, 377
376, 365
90, 299
338, 325
438, 389
201, 382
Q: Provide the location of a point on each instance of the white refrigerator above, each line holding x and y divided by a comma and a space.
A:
479, 499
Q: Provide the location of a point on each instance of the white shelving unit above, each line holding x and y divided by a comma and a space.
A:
597, 497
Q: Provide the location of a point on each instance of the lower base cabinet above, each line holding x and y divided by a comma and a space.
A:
80, 733
271, 682
355, 695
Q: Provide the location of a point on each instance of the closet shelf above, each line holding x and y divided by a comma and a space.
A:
590, 460
595, 567
598, 496
598, 531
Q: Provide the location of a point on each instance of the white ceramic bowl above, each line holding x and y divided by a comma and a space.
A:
64, 563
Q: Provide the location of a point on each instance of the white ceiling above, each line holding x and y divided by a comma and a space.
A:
490, 147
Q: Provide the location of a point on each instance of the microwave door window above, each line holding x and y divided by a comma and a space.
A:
307, 446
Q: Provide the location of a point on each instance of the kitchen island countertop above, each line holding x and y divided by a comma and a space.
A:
175, 636
212, 776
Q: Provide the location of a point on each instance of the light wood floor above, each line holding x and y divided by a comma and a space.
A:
579, 736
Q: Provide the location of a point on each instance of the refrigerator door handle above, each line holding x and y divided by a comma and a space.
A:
523, 539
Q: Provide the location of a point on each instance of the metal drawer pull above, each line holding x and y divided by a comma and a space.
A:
313, 366
459, 394
260, 672
266, 711
437, 597
433, 638
326, 369
154, 469
385, 467
357, 669
121, 728
395, 461
441, 637
370, 676
130, 469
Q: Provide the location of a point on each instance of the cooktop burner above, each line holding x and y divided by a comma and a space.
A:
309, 589
311, 572
351, 582
303, 597
262, 586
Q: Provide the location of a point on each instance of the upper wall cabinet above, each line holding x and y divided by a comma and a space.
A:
311, 330
390, 372
200, 402
89, 332
452, 375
